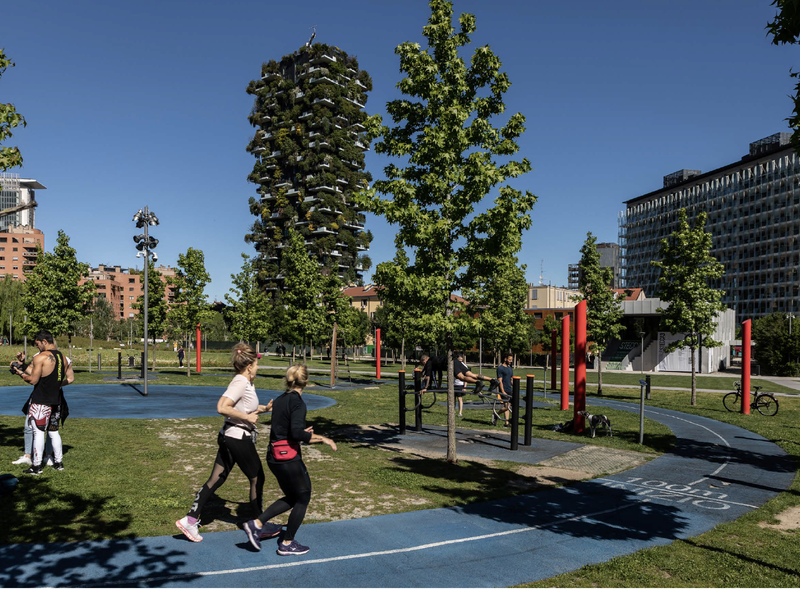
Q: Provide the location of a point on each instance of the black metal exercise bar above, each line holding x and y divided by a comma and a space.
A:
401, 377
528, 409
418, 408
515, 412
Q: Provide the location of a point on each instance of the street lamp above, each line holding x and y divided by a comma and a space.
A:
145, 243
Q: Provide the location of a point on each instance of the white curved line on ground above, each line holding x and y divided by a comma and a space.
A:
149, 580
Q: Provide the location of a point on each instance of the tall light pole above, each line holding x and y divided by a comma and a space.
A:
145, 243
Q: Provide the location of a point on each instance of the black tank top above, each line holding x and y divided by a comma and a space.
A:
47, 390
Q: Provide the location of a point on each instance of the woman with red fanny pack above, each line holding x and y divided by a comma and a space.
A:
236, 440
285, 460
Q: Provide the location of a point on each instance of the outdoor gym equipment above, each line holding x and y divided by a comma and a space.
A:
497, 400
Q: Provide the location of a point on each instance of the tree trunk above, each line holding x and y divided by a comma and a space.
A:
312, 349
154, 355
333, 356
403, 352
694, 379
294, 351
452, 458
599, 377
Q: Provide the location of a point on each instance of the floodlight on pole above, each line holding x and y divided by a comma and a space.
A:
145, 243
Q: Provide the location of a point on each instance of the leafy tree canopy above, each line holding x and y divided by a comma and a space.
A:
442, 132
687, 268
53, 299
249, 311
776, 350
10, 157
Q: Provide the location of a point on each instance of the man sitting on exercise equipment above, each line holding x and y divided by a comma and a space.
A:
460, 371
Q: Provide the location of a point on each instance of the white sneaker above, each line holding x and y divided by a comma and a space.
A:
22, 460
48, 460
189, 530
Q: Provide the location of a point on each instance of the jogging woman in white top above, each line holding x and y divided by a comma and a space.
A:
236, 439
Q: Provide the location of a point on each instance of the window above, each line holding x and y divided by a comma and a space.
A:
534, 295
16, 249
130, 289
131, 280
15, 259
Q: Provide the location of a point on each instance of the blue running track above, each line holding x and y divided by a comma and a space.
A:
717, 473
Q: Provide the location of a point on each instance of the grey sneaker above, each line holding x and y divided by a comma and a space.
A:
189, 530
253, 533
292, 549
269, 530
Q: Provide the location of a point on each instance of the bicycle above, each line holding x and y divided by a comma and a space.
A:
764, 403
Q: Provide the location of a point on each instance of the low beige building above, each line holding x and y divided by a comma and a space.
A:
550, 297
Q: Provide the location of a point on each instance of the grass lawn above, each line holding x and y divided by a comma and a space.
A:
127, 478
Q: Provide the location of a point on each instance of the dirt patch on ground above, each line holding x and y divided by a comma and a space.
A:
788, 519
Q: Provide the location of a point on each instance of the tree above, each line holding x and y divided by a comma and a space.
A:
11, 308
101, 321
445, 139
157, 306
687, 266
302, 290
785, 28
249, 311
603, 311
191, 304
396, 315
10, 157
53, 299
499, 298
776, 350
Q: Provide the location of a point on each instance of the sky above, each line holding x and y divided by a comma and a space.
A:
134, 104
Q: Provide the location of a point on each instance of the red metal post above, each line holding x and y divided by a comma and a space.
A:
565, 363
378, 353
580, 366
553, 358
198, 348
746, 367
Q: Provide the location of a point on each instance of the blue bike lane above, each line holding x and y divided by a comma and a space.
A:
716, 473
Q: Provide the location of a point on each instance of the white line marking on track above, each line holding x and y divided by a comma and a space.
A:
724, 441
150, 580
692, 495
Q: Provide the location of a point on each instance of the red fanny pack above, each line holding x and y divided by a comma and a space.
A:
284, 450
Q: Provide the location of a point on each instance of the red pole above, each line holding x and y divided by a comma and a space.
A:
580, 366
554, 358
198, 348
565, 363
746, 367
378, 353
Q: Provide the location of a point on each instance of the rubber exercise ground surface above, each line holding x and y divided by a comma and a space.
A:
127, 401
716, 473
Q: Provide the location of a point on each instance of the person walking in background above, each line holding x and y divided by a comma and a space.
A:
181, 356
285, 461
458, 385
236, 440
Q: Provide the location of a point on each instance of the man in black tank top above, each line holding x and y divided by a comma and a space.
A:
48, 372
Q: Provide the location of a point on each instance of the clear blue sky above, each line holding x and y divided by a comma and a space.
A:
143, 103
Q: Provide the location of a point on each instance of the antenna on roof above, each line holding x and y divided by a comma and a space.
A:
314, 34
541, 274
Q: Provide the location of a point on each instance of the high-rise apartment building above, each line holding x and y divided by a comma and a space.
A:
753, 208
309, 148
17, 200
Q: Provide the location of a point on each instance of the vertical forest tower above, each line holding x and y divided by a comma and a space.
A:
309, 148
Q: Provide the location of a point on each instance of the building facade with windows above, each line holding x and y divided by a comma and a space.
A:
753, 208
309, 147
122, 287
550, 297
17, 201
19, 247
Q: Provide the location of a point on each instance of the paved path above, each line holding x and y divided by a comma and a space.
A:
717, 473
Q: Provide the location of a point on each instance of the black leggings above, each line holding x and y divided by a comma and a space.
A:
233, 451
296, 486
